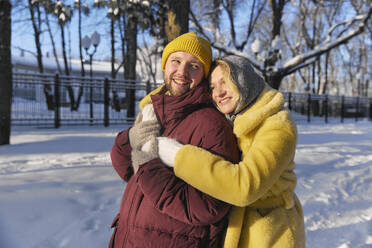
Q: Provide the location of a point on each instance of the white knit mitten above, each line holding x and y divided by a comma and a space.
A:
148, 113
168, 149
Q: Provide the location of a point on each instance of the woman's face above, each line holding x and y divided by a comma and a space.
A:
223, 95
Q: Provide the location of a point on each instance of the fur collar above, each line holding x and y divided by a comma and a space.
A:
270, 102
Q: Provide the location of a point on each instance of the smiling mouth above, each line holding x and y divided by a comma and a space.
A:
180, 83
225, 100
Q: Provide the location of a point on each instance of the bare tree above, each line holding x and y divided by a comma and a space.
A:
51, 37
81, 8
35, 13
5, 72
130, 27
63, 13
214, 12
85, 9
36, 21
135, 15
149, 56
273, 66
205, 16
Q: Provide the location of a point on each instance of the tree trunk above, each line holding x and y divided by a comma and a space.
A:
115, 96
274, 79
53, 43
81, 88
5, 72
112, 34
70, 91
36, 25
130, 62
63, 40
277, 7
80, 45
325, 84
177, 22
37, 31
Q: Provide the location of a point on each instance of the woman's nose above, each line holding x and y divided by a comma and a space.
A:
220, 91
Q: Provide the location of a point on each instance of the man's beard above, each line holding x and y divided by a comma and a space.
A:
172, 91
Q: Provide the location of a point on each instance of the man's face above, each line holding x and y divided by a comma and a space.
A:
183, 71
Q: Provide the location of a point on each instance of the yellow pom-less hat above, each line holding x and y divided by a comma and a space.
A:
193, 44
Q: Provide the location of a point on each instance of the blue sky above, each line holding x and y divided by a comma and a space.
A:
23, 36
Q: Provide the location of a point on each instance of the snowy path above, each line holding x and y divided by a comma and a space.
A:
58, 189
334, 164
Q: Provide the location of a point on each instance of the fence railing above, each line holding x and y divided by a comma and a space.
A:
325, 106
54, 100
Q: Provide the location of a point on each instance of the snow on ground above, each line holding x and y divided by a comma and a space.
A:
58, 189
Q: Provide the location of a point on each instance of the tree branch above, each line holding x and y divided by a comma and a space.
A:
302, 65
326, 45
228, 51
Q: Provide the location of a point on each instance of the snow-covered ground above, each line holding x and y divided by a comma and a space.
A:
58, 189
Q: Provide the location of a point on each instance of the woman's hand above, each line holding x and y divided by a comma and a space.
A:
167, 149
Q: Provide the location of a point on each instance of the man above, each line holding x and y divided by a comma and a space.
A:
158, 209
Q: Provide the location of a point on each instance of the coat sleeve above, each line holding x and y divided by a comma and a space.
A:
270, 153
121, 156
177, 199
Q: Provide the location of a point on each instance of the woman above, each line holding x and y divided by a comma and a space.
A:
261, 186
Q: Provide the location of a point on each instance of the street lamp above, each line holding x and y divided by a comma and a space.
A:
86, 42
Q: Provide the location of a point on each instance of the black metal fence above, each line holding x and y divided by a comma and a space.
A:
54, 100
313, 106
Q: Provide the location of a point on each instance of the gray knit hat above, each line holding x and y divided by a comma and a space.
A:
248, 81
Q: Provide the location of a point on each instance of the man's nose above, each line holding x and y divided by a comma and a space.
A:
183, 69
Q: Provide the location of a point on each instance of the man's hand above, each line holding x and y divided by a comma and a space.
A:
148, 113
145, 127
140, 157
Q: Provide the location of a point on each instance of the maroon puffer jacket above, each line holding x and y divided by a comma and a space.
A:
158, 209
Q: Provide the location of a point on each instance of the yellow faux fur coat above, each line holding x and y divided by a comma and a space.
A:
267, 213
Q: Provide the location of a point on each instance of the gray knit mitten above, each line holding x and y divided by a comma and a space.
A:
141, 131
140, 157
148, 113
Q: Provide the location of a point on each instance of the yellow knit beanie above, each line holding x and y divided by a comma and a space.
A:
193, 44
